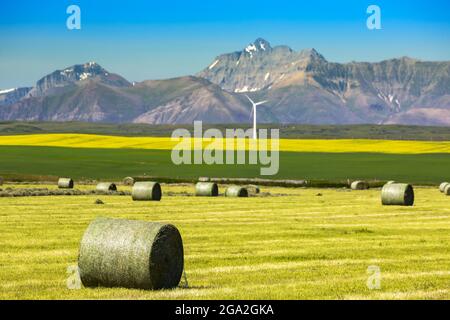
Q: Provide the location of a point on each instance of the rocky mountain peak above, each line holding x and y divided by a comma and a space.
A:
75, 74
300, 87
84, 71
312, 54
259, 45
259, 66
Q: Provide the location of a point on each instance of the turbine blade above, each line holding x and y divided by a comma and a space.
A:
262, 102
249, 99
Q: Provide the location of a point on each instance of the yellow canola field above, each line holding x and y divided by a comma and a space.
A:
166, 143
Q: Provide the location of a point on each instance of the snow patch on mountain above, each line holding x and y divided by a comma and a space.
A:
85, 75
246, 89
7, 90
213, 64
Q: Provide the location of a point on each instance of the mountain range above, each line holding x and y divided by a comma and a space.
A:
300, 87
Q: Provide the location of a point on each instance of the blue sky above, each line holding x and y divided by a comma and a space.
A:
160, 39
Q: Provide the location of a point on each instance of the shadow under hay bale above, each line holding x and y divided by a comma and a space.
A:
397, 194
128, 181
442, 186
106, 186
65, 183
359, 185
236, 191
206, 189
146, 191
131, 254
447, 190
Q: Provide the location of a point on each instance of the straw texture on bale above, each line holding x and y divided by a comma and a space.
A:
146, 191
128, 181
447, 190
131, 254
106, 186
65, 183
359, 185
204, 179
397, 194
236, 191
253, 189
206, 189
442, 186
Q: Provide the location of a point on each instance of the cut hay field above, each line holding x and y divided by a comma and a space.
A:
291, 245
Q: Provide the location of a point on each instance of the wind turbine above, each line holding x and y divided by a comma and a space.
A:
254, 114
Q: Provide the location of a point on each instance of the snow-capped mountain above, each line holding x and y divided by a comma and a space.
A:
11, 96
300, 86
257, 67
73, 74
303, 87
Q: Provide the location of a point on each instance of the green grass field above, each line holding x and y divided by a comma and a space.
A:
118, 163
291, 245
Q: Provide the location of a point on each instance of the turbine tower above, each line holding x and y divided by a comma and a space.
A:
254, 114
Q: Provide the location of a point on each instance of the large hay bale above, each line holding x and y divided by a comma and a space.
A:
128, 181
397, 194
106, 187
65, 183
251, 188
131, 254
146, 191
204, 179
447, 189
442, 186
359, 185
236, 191
206, 189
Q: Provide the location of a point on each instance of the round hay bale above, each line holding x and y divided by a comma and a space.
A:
447, 189
251, 188
204, 179
442, 186
128, 181
65, 183
206, 189
397, 194
146, 191
131, 254
106, 186
359, 185
236, 191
